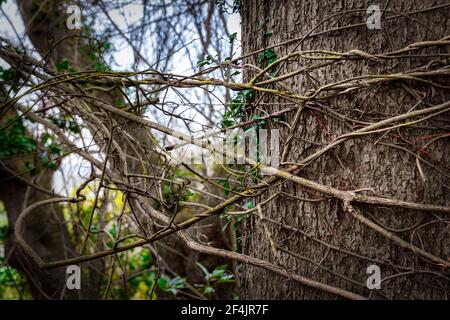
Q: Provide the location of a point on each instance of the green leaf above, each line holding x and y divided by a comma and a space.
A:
232, 37
14, 139
60, 123
106, 46
73, 126
207, 61
3, 232
226, 123
7, 74
113, 231
259, 122
248, 94
208, 290
51, 165
227, 278
219, 271
100, 67
267, 57
54, 149
205, 271
63, 65
177, 283
226, 186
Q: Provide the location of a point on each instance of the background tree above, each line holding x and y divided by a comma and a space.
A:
81, 50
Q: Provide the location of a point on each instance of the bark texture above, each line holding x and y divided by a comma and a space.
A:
355, 164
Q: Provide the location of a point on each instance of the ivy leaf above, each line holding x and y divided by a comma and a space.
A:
205, 271
226, 123
73, 126
248, 94
7, 74
162, 282
101, 67
226, 186
208, 290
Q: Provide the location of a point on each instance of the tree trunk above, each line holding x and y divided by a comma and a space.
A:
355, 164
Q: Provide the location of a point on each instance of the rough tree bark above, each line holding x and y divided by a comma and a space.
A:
355, 164
45, 23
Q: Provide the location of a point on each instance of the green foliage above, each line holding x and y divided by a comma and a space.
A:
3, 232
145, 259
226, 6
3, 223
266, 58
51, 149
98, 51
99, 66
8, 276
236, 109
120, 102
236, 73
9, 76
236, 220
13, 284
226, 186
64, 66
259, 123
232, 37
204, 62
14, 140
218, 276
174, 192
67, 123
